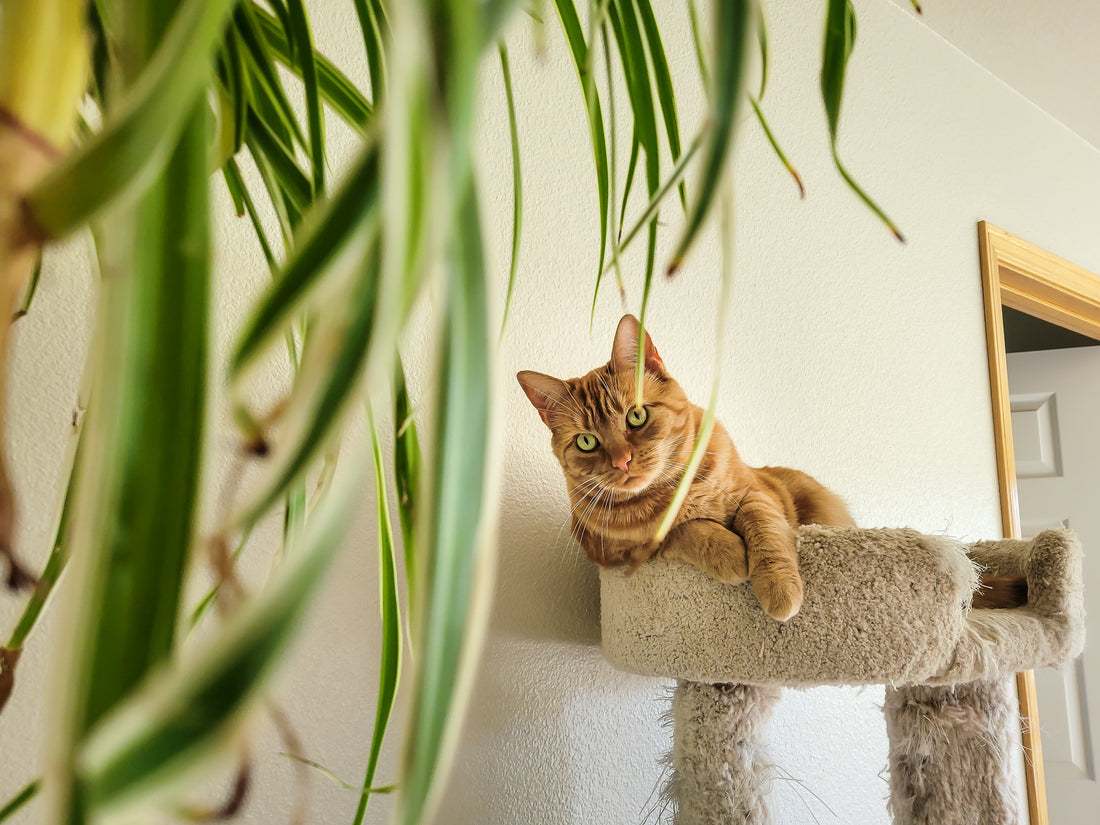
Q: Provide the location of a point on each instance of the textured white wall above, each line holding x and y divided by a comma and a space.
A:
848, 356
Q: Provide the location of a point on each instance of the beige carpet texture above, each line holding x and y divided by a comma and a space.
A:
881, 607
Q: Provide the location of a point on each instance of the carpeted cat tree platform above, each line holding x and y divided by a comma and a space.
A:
881, 607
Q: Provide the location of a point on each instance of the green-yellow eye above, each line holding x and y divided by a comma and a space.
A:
586, 442
636, 417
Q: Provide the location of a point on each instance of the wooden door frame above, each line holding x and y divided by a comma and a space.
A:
1022, 276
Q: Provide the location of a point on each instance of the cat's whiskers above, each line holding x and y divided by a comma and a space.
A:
582, 521
583, 500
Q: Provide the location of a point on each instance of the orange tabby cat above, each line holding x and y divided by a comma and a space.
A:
622, 465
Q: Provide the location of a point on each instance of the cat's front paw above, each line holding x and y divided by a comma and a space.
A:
779, 593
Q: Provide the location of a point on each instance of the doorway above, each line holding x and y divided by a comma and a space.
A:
1025, 282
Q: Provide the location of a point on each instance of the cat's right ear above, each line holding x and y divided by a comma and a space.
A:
544, 392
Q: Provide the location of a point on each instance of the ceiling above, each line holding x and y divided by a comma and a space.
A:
1045, 49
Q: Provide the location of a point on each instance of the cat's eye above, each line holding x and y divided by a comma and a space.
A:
586, 442
636, 417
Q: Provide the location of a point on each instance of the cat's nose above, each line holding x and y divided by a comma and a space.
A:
622, 462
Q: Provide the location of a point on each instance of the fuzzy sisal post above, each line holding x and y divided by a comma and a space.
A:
721, 773
950, 754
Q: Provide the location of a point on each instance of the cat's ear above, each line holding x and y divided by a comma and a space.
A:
624, 353
544, 392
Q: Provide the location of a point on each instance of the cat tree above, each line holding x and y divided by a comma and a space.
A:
881, 607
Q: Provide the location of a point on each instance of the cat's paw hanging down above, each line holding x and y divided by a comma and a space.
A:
622, 463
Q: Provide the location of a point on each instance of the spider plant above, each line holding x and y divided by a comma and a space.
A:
114, 115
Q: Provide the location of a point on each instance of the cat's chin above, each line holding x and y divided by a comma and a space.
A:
635, 485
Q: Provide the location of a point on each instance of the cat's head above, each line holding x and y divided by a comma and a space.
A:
601, 439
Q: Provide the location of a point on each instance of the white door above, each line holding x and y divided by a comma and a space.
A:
1055, 398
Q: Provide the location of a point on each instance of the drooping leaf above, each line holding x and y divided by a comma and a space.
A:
32, 288
706, 424
286, 212
390, 657
840, 39
731, 25
697, 40
762, 44
775, 145
454, 535
261, 68
517, 186
16, 803
334, 86
302, 38
676, 175
663, 79
371, 21
624, 24
407, 461
136, 495
280, 158
237, 86
571, 25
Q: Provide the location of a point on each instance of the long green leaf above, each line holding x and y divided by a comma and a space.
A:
517, 186
390, 659
663, 79
567, 13
624, 24
29, 292
302, 37
136, 495
54, 565
731, 24
137, 138
762, 43
335, 88
337, 220
775, 145
407, 461
160, 737
454, 531
706, 424
840, 39
287, 214
11, 652
678, 172
238, 86
262, 69
697, 41
616, 230
292, 180
25, 795
631, 169
370, 21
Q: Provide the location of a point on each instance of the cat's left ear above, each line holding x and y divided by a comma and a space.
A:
544, 392
624, 353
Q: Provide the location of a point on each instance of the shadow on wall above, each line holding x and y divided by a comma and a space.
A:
546, 588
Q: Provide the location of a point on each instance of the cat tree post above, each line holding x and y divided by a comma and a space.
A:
721, 770
947, 754
881, 607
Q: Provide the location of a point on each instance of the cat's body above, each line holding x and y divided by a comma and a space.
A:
622, 466
737, 522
